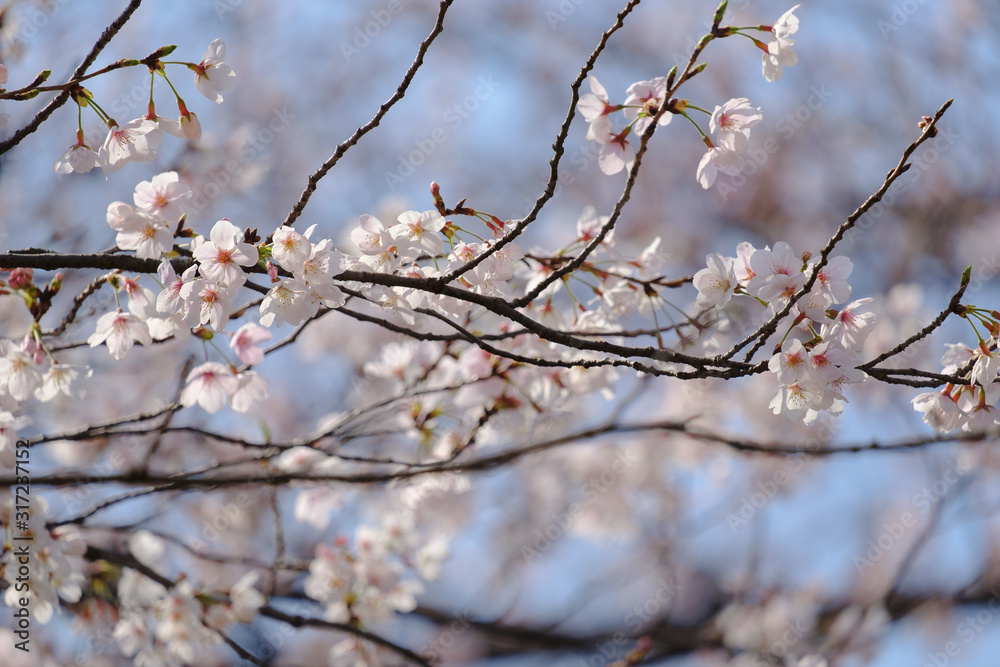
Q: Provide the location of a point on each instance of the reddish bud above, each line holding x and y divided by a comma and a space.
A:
20, 278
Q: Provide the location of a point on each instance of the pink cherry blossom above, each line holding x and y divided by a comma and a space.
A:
645, 98
148, 236
732, 122
136, 141
792, 363
779, 55
851, 328
718, 158
595, 108
715, 284
832, 279
59, 379
616, 152
209, 385
291, 249
787, 24
251, 389
246, 599
79, 158
187, 126
286, 302
120, 331
209, 302
418, 233
315, 506
221, 257
164, 197
778, 273
246, 343
171, 300
984, 371
20, 376
371, 236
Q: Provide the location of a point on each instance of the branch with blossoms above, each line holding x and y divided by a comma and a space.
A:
138, 139
496, 343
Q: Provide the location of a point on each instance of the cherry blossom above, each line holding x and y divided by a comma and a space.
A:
187, 126
220, 258
136, 141
645, 99
777, 273
209, 302
246, 599
291, 249
164, 197
212, 76
315, 505
418, 233
779, 55
458, 376
792, 363
595, 108
371, 236
56, 570
120, 330
246, 343
59, 379
20, 376
616, 152
851, 329
79, 158
148, 236
589, 224
251, 390
718, 158
716, 283
287, 301
732, 122
787, 24
979, 406
984, 371
209, 385
171, 301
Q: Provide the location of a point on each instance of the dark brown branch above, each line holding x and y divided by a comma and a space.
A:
765, 331
314, 179
487, 463
953, 307
606, 228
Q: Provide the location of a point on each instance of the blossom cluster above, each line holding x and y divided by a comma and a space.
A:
366, 583
730, 123
27, 372
137, 140
175, 625
972, 406
820, 345
447, 393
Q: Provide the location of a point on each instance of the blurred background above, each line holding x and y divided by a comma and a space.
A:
479, 119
